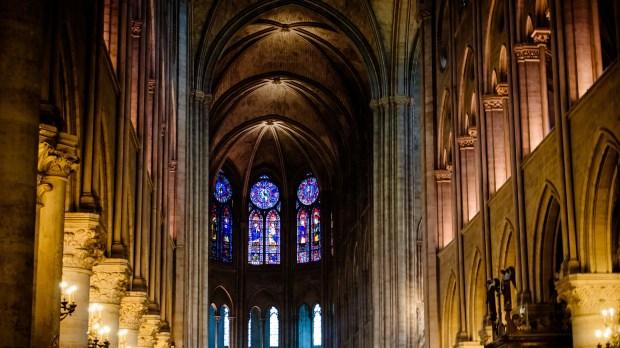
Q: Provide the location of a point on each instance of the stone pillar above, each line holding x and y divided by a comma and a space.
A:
133, 306
163, 340
84, 240
148, 328
586, 295
107, 286
21, 25
57, 160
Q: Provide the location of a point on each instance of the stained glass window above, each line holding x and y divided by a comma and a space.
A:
220, 220
308, 221
264, 223
317, 333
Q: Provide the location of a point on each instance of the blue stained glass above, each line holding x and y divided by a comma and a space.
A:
222, 190
302, 236
255, 238
316, 234
226, 235
264, 194
213, 231
273, 238
308, 191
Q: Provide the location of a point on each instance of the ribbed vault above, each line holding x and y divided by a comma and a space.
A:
290, 93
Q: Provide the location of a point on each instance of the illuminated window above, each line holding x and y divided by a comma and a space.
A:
264, 223
220, 220
308, 221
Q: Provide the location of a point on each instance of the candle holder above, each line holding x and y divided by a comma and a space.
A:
97, 333
67, 304
610, 332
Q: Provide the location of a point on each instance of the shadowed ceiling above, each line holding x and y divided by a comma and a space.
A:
289, 91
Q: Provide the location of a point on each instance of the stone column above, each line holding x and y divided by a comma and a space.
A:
133, 306
21, 25
163, 340
586, 295
57, 160
148, 328
84, 240
107, 286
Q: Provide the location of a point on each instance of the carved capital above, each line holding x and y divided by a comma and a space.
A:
424, 13
109, 281
589, 293
133, 306
502, 89
541, 35
466, 142
493, 102
527, 53
163, 340
148, 328
395, 100
84, 240
173, 166
201, 97
57, 153
151, 86
443, 175
136, 28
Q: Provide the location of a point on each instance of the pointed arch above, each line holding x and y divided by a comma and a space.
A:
450, 322
476, 293
599, 236
548, 254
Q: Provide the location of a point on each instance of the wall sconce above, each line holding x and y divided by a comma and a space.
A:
67, 302
122, 339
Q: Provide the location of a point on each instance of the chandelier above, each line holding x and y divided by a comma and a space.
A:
68, 295
610, 332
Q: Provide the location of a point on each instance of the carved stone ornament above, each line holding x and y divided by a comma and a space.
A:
493, 102
133, 307
502, 88
541, 35
54, 162
109, 281
443, 175
587, 294
201, 97
173, 166
136, 28
163, 340
396, 100
527, 53
82, 248
151, 86
466, 142
148, 328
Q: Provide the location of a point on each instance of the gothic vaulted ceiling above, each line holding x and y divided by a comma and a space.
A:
289, 89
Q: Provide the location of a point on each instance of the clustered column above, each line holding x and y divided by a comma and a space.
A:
83, 243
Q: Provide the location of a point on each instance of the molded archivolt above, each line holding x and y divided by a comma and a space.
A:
600, 194
450, 321
221, 297
264, 299
476, 294
545, 251
507, 256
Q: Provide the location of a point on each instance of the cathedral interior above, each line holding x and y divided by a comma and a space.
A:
309, 173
